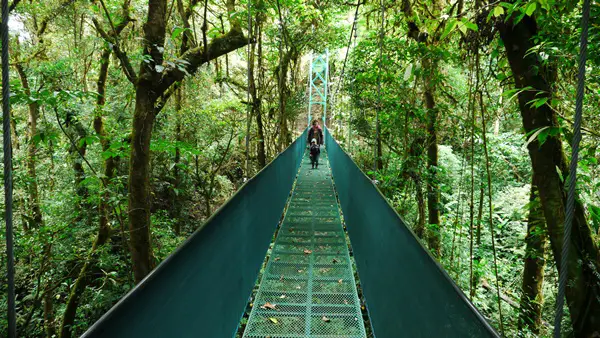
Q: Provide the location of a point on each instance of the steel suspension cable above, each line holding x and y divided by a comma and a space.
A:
350, 105
570, 209
352, 35
249, 104
8, 181
381, 35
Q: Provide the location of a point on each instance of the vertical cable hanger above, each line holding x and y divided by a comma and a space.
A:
351, 107
378, 108
352, 35
570, 207
249, 104
8, 182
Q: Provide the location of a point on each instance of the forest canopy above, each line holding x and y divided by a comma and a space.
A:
133, 121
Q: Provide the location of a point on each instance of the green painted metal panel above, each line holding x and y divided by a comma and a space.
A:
202, 289
407, 293
308, 284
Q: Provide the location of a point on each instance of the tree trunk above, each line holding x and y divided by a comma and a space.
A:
281, 87
77, 150
15, 136
175, 208
420, 228
49, 315
110, 163
35, 216
432, 162
153, 89
146, 96
411, 168
533, 271
480, 212
549, 168
139, 185
379, 150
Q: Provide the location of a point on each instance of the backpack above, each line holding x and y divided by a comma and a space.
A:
314, 149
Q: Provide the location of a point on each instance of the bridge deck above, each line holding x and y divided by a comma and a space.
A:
308, 287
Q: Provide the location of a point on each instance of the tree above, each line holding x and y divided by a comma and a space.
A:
535, 80
154, 84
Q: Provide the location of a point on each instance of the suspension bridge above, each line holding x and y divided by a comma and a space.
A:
295, 219
311, 240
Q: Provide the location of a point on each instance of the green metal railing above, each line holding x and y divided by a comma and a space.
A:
202, 289
407, 293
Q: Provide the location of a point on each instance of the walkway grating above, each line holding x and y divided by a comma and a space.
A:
308, 287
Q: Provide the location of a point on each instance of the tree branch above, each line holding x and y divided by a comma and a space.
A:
195, 57
13, 5
125, 63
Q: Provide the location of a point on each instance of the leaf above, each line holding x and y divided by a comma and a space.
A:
269, 306
273, 320
334, 261
176, 32
325, 319
536, 103
498, 11
277, 258
470, 25
340, 281
307, 252
531, 8
159, 68
282, 297
449, 28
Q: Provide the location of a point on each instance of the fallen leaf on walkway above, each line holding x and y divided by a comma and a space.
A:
345, 302
281, 278
308, 252
298, 287
277, 258
334, 261
269, 306
325, 319
300, 271
282, 297
273, 320
340, 281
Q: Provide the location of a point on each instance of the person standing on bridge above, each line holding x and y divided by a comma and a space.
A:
314, 153
315, 132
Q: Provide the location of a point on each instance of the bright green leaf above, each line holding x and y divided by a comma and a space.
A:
531, 8
470, 25
449, 28
498, 11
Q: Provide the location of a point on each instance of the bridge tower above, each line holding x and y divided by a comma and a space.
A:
318, 84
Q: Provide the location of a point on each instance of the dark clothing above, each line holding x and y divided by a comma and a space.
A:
315, 151
316, 133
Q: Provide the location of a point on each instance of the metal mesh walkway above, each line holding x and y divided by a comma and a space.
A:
308, 287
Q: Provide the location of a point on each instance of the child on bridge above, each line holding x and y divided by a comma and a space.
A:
315, 151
